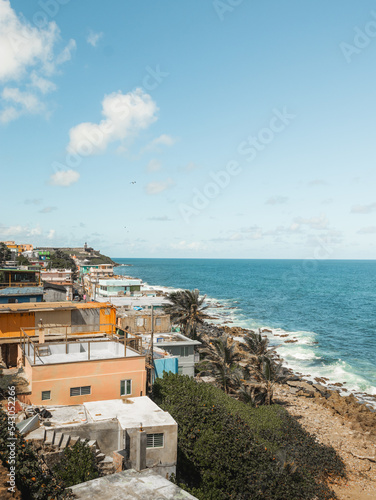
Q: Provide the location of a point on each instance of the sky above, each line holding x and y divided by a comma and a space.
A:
190, 128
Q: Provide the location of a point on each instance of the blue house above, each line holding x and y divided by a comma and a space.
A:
16, 294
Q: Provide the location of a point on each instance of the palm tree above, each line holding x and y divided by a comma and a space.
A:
265, 372
186, 308
255, 345
223, 363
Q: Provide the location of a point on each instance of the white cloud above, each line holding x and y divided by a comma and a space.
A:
276, 200
25, 102
19, 231
185, 245
367, 230
158, 187
47, 210
27, 55
51, 234
162, 218
93, 38
42, 84
64, 178
320, 222
363, 209
124, 116
162, 140
153, 165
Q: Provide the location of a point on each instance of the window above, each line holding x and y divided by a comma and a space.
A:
184, 351
125, 387
158, 322
140, 322
80, 391
46, 395
154, 440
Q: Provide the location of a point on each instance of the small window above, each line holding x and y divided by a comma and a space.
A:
154, 440
46, 395
158, 322
125, 387
140, 322
184, 351
80, 391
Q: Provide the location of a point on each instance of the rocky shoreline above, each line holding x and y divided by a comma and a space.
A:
342, 422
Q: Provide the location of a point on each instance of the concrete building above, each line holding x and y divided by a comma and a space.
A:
179, 346
75, 371
70, 317
136, 321
130, 484
128, 303
134, 432
54, 293
96, 270
62, 277
118, 286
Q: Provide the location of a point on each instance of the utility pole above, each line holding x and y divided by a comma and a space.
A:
152, 336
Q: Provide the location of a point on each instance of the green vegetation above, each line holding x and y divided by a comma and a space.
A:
186, 309
23, 261
62, 260
77, 465
5, 253
31, 477
229, 449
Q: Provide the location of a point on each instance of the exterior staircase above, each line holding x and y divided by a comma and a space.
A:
59, 441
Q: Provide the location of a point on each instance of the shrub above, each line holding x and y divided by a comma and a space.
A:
30, 477
77, 465
228, 449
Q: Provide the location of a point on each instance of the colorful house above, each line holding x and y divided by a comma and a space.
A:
77, 371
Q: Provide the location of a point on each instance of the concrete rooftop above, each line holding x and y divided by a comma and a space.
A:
130, 412
134, 301
130, 485
79, 351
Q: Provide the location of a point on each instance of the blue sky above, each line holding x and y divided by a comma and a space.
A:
191, 128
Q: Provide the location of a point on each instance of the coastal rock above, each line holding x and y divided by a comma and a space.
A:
303, 388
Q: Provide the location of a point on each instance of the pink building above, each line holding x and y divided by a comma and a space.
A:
73, 372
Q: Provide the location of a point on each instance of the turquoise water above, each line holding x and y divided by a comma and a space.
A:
329, 306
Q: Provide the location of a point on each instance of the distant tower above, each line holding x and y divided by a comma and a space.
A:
85, 246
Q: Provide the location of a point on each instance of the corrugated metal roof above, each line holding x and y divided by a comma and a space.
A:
24, 290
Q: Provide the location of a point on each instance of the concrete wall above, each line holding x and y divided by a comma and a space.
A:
161, 326
51, 295
108, 434
103, 376
163, 460
186, 363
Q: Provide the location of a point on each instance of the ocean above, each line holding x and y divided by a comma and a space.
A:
329, 307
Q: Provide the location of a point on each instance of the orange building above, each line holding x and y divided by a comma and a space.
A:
70, 373
70, 317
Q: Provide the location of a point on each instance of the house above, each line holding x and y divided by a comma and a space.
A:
140, 321
133, 432
16, 294
179, 346
96, 270
62, 277
54, 293
18, 277
124, 304
71, 317
115, 287
72, 372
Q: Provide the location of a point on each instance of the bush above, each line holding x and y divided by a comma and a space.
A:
31, 478
77, 465
227, 449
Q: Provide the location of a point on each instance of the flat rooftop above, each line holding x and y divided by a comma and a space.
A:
51, 306
141, 301
130, 485
169, 338
130, 412
55, 352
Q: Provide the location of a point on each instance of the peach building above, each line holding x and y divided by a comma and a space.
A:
73, 372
